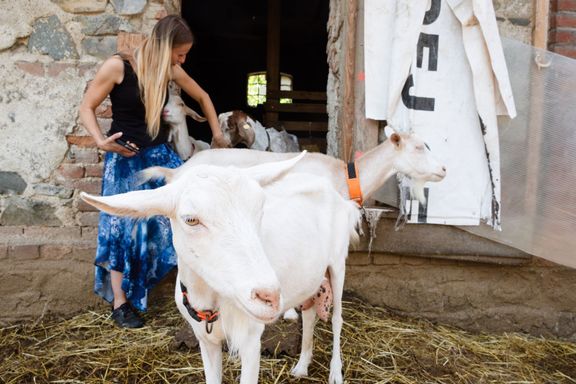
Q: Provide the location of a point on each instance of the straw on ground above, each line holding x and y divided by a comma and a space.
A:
377, 348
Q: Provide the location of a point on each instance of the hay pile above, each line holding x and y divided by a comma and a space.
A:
377, 348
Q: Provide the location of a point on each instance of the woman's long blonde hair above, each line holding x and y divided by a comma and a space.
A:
153, 66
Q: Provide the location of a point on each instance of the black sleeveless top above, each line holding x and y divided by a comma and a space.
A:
129, 114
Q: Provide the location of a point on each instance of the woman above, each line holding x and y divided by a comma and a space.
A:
133, 255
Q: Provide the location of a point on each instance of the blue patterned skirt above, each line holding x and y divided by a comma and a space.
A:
139, 248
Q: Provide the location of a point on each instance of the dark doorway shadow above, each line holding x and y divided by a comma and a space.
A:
230, 43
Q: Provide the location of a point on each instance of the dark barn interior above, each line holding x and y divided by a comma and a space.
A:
231, 40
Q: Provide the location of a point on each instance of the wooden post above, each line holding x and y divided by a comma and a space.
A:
272, 64
365, 130
347, 113
541, 23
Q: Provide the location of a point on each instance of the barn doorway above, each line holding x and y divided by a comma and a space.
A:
234, 39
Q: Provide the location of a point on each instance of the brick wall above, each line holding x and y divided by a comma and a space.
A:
562, 36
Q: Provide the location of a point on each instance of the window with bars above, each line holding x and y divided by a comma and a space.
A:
256, 90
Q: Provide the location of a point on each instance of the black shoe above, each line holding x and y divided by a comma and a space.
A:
126, 317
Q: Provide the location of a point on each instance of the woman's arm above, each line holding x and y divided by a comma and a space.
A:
110, 73
192, 88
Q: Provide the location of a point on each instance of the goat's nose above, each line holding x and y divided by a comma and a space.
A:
270, 297
444, 168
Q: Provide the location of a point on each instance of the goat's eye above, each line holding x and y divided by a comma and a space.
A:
191, 220
427, 146
246, 126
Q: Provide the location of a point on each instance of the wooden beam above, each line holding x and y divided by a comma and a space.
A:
541, 23
272, 61
299, 95
304, 126
296, 108
347, 113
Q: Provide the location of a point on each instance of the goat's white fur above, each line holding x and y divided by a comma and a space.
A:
249, 238
238, 127
404, 153
174, 113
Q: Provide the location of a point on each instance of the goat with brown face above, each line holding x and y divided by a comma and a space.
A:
238, 127
242, 129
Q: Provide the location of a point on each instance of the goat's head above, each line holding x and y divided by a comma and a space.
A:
175, 111
415, 160
238, 127
215, 215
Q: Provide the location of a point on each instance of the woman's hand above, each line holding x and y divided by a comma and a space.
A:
109, 144
220, 141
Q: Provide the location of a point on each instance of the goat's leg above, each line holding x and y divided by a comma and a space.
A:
308, 322
211, 351
250, 356
337, 281
212, 361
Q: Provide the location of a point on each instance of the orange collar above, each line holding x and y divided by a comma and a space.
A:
209, 316
353, 181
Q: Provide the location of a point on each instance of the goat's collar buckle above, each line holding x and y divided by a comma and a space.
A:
207, 315
353, 181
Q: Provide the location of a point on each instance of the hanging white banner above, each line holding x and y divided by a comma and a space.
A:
437, 68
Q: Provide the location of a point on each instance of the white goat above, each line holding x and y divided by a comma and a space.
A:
404, 153
238, 127
239, 235
174, 113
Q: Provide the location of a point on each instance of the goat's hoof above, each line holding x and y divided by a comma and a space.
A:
291, 315
335, 378
299, 371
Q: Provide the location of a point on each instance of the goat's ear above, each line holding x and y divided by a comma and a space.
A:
143, 203
193, 114
156, 173
389, 131
247, 133
395, 139
392, 136
269, 172
173, 88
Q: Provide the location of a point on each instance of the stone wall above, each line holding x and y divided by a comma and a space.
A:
515, 19
48, 52
448, 275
